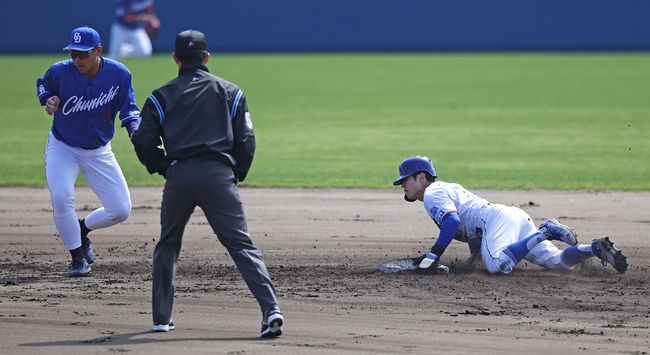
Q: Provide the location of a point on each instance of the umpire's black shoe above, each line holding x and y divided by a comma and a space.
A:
78, 267
85, 243
272, 324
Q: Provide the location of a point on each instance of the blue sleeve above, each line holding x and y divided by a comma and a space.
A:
45, 87
129, 111
448, 230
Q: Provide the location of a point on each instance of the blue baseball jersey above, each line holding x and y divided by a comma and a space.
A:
125, 10
87, 108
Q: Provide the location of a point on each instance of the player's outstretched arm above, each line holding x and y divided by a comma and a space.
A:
448, 229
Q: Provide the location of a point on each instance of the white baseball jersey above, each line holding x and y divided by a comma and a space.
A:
493, 226
442, 198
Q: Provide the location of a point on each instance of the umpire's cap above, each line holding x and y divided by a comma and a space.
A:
413, 165
190, 40
83, 39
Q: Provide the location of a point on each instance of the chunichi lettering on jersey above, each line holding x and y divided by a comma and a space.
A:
76, 104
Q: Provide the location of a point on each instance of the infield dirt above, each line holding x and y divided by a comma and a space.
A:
322, 248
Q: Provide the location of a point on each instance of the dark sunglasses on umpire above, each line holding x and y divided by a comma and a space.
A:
80, 54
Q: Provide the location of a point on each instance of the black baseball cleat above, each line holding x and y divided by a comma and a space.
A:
604, 249
272, 324
78, 267
85, 243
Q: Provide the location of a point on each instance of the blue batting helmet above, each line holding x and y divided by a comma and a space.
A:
413, 165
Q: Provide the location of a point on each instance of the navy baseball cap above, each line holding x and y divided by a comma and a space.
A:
413, 165
189, 40
83, 39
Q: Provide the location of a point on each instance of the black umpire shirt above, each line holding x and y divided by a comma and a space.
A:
196, 115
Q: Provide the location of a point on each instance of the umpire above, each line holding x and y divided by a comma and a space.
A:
208, 137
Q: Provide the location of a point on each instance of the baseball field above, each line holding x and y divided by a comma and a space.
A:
559, 135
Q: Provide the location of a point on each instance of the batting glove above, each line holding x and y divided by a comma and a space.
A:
428, 259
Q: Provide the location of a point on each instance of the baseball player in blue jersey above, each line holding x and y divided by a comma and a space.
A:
502, 235
84, 94
134, 23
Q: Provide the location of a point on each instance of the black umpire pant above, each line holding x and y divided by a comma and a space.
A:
210, 185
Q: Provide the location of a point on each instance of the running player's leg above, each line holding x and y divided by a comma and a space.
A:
61, 171
105, 178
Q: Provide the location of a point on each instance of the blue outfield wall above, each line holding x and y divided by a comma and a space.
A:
351, 25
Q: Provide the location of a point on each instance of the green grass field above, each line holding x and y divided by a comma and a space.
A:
504, 121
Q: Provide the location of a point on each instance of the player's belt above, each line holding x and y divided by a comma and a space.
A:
91, 148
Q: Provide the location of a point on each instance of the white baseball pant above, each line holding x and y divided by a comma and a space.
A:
102, 174
504, 225
128, 42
